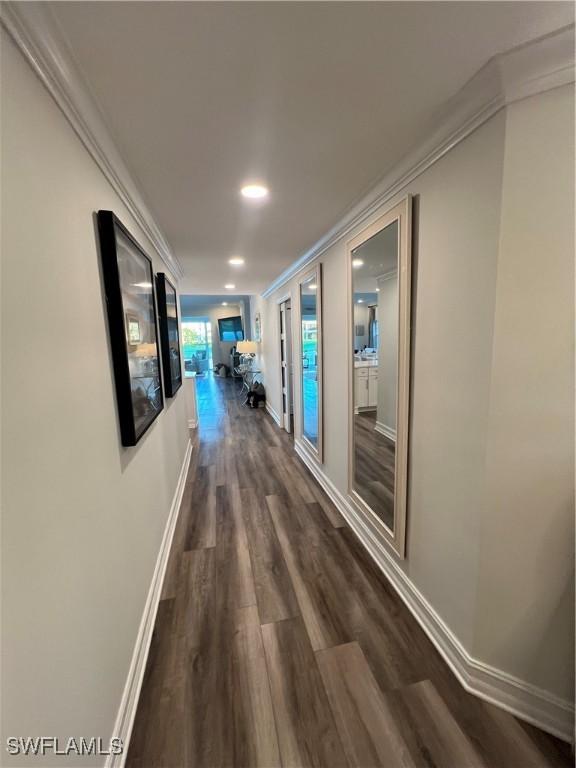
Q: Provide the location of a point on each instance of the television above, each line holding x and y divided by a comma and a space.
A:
230, 329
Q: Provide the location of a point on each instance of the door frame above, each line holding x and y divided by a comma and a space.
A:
316, 450
283, 425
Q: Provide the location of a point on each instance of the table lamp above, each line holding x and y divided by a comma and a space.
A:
247, 349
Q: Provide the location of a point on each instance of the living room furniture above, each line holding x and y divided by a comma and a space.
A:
234, 363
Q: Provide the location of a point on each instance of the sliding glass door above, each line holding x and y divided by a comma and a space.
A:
197, 345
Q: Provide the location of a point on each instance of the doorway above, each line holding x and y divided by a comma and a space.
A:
197, 344
286, 365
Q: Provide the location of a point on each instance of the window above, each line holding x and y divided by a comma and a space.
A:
309, 345
197, 341
309, 330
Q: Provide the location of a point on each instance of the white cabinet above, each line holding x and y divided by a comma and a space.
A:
360, 388
365, 387
372, 387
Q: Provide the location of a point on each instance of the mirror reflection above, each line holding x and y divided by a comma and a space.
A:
310, 358
375, 379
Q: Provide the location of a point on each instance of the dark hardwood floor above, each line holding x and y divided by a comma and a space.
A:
278, 642
374, 466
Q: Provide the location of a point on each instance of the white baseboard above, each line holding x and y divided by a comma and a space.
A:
526, 701
309, 458
275, 415
385, 430
129, 701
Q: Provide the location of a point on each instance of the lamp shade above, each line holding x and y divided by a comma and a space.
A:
246, 347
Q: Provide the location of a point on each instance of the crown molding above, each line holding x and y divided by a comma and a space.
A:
532, 68
387, 276
35, 31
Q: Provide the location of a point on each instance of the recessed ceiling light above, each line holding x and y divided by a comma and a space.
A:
236, 261
357, 263
254, 191
224, 303
313, 287
229, 286
377, 290
360, 301
142, 285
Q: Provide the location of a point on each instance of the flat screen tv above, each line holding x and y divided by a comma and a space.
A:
230, 329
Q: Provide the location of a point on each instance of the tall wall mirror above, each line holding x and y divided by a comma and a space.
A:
310, 294
379, 264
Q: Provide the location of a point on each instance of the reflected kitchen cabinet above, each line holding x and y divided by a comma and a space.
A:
365, 387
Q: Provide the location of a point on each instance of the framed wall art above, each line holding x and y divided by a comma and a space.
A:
169, 334
129, 289
258, 327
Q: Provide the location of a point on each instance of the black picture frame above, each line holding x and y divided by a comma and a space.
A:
169, 334
132, 324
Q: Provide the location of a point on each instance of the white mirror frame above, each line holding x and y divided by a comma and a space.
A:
401, 212
316, 451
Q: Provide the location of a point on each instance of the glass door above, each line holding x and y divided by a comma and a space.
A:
197, 345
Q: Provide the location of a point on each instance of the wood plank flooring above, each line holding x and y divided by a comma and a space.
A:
278, 642
374, 466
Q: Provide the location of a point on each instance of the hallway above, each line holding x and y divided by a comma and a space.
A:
351, 203
278, 641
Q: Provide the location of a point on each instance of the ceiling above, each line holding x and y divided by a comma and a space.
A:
317, 99
194, 304
366, 297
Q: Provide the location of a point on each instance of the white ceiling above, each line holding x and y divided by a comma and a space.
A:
318, 99
191, 305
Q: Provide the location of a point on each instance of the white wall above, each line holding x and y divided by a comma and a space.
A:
474, 330
82, 517
526, 585
268, 357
